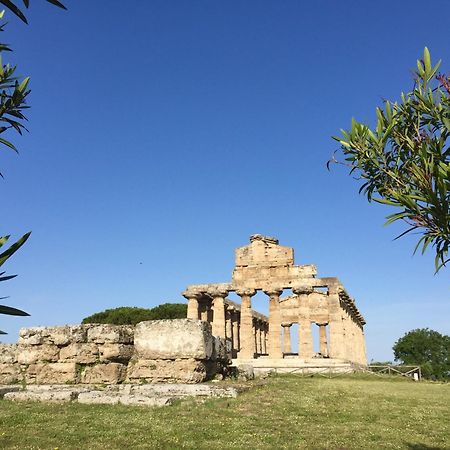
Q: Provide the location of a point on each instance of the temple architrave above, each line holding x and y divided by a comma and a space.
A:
317, 305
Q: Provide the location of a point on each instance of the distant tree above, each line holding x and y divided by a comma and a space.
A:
426, 348
169, 311
404, 161
124, 315
128, 315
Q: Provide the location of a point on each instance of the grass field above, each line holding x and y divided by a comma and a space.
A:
287, 412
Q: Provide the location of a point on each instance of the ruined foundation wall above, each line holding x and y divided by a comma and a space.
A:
106, 354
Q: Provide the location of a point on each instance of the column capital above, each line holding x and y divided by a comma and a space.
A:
218, 292
300, 289
286, 324
273, 292
245, 292
191, 294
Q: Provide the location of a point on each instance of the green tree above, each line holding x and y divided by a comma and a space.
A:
426, 348
404, 161
129, 315
13, 93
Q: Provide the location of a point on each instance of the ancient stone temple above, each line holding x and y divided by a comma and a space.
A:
319, 302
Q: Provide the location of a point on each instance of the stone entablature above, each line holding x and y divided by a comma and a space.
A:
267, 266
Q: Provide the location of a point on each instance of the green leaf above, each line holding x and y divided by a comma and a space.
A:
8, 144
12, 311
12, 7
14, 247
24, 84
427, 60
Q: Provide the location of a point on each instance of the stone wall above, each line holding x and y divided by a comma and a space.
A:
162, 350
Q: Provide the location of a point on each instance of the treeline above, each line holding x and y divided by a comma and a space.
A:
131, 315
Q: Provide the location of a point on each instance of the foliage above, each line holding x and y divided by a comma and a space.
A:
19, 13
169, 311
426, 348
4, 256
404, 161
281, 412
13, 93
127, 315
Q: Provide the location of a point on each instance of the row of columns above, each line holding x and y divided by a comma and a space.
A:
346, 338
246, 333
306, 350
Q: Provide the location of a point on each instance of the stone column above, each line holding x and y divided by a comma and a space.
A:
235, 321
218, 325
265, 338
305, 341
363, 347
286, 338
274, 323
255, 336
228, 325
323, 339
246, 333
260, 337
192, 309
336, 326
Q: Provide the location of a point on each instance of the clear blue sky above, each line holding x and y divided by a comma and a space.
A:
166, 132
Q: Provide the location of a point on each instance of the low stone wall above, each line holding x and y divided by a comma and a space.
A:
180, 350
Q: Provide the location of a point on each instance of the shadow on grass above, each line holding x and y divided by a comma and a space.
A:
423, 447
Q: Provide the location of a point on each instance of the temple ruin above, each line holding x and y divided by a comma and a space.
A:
266, 266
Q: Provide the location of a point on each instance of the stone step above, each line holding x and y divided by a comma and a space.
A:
267, 362
114, 398
177, 390
128, 394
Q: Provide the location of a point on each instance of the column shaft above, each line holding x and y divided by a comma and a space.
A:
246, 340
218, 325
235, 334
337, 346
192, 310
274, 324
323, 340
287, 339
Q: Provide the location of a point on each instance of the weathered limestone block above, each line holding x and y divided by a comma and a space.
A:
111, 373
30, 354
181, 390
171, 339
245, 372
221, 349
98, 398
110, 334
159, 370
10, 373
52, 373
113, 398
8, 353
80, 353
115, 352
44, 396
60, 336
5, 389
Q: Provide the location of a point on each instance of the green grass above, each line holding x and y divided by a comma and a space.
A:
286, 412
